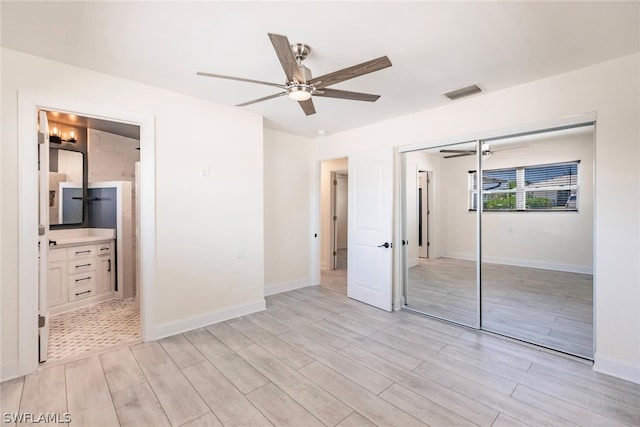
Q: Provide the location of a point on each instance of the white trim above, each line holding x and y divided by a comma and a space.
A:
576, 120
204, 319
315, 222
286, 286
516, 262
9, 371
28, 105
616, 368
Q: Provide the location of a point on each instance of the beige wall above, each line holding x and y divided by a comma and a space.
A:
612, 90
200, 223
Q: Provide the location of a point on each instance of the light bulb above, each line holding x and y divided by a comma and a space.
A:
299, 94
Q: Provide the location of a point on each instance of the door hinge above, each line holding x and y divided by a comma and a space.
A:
335, 182
335, 218
41, 230
428, 243
41, 321
40, 138
335, 253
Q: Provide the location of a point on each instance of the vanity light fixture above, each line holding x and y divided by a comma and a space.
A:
55, 137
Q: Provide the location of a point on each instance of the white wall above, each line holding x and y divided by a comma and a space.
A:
287, 201
326, 204
612, 90
200, 223
550, 240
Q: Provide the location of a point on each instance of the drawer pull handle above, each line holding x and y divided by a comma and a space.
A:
104, 249
85, 292
86, 278
83, 252
83, 265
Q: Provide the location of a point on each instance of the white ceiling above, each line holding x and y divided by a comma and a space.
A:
434, 47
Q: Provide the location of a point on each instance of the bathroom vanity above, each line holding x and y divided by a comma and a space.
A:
81, 268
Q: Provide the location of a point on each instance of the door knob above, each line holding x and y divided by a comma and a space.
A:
386, 245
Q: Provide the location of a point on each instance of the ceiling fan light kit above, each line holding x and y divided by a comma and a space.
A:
300, 92
300, 86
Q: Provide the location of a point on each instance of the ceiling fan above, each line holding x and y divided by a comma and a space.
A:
300, 86
486, 151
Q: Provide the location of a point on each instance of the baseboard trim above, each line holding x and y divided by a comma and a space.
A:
286, 286
543, 265
616, 368
9, 371
200, 320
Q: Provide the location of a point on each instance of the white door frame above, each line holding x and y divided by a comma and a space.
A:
28, 105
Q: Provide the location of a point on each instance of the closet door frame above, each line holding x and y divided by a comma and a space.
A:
480, 138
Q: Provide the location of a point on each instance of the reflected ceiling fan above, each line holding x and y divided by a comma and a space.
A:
300, 86
486, 151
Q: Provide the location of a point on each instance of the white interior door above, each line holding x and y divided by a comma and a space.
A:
370, 214
43, 236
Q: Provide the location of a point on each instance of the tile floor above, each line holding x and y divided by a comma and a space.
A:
99, 326
315, 357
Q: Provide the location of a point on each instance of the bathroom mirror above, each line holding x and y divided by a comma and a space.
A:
67, 187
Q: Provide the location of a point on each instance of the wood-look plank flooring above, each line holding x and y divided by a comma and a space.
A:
545, 307
315, 357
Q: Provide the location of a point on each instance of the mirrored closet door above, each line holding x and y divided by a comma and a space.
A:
521, 205
440, 231
537, 239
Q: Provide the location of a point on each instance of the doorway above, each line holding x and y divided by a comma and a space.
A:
29, 320
334, 239
91, 261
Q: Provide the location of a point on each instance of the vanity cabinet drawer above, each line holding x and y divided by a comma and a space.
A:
82, 292
82, 265
103, 249
77, 252
82, 286
57, 255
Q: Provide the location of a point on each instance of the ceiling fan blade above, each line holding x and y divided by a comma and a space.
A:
240, 79
344, 94
307, 107
261, 99
459, 155
457, 151
285, 55
350, 72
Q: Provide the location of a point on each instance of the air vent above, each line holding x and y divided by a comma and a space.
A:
461, 93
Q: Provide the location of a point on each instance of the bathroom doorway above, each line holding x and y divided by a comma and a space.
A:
89, 289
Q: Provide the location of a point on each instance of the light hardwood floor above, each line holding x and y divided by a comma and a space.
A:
314, 358
550, 308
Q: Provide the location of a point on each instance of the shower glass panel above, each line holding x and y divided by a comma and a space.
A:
440, 233
537, 238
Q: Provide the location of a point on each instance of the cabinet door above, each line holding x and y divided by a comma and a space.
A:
57, 283
105, 274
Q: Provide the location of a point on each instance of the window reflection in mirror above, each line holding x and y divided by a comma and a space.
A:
65, 187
